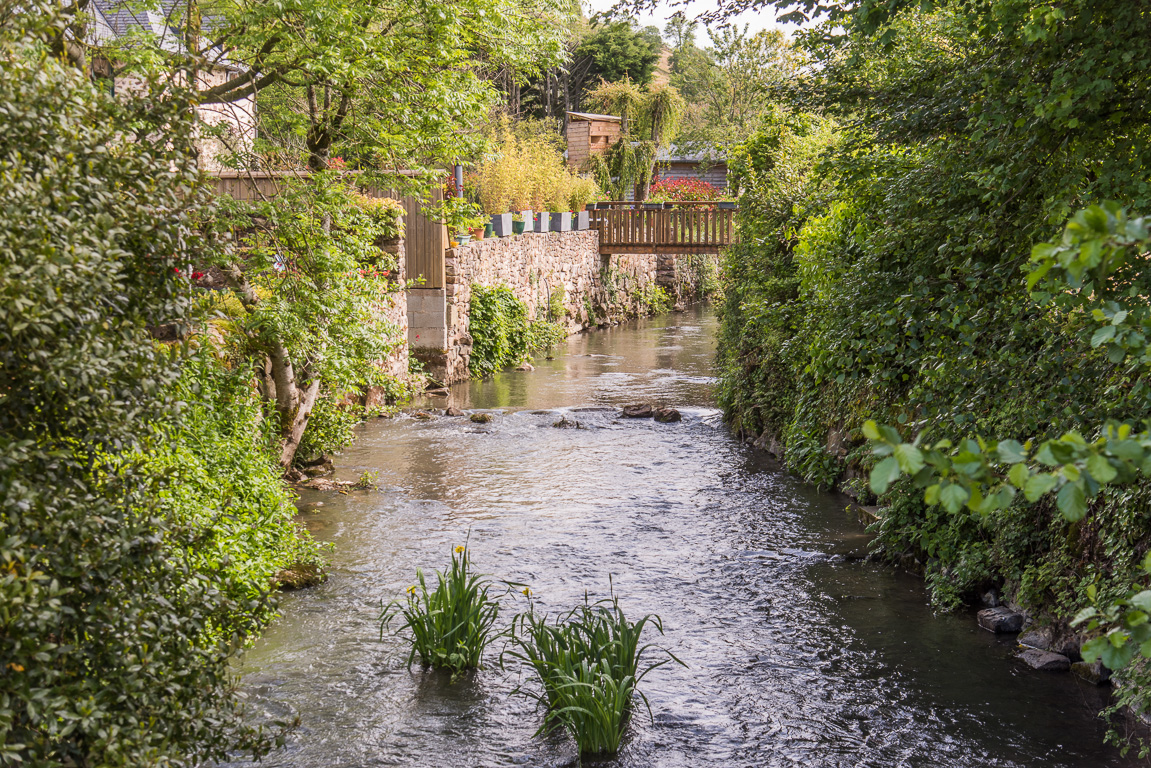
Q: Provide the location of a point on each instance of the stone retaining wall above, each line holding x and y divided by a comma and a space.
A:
596, 290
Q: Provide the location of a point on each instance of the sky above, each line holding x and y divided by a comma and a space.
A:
756, 20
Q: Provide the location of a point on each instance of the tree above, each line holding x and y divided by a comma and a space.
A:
648, 121
115, 642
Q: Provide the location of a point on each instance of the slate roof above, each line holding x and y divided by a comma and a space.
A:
113, 19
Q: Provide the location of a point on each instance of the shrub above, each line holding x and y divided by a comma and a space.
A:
528, 173
115, 640
450, 625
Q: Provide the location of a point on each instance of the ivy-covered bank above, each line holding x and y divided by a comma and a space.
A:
887, 235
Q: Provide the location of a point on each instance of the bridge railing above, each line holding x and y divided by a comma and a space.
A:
687, 228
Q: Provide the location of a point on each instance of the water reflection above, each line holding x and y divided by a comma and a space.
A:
799, 653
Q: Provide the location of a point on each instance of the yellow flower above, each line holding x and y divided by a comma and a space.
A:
460, 548
15, 667
527, 592
412, 590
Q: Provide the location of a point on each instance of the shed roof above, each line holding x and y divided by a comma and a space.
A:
589, 116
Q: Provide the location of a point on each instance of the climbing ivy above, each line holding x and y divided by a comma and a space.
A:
502, 334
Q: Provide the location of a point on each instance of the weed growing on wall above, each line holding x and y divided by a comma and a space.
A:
502, 334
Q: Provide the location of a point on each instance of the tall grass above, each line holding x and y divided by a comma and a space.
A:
589, 665
450, 625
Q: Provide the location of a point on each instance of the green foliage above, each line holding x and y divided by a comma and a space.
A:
224, 492
116, 634
621, 50
315, 292
498, 323
502, 334
451, 625
589, 664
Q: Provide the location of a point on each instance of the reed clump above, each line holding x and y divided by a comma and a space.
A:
589, 664
451, 624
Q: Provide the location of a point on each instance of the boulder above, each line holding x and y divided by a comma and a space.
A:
423, 416
1037, 638
481, 418
666, 415
453, 411
1045, 661
525, 367
1096, 673
990, 599
1001, 620
637, 411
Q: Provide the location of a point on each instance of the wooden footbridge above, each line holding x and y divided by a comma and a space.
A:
675, 228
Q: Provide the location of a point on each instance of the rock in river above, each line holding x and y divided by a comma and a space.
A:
1001, 620
666, 415
480, 418
1045, 661
1096, 673
453, 411
638, 411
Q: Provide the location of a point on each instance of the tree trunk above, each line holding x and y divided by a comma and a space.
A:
296, 422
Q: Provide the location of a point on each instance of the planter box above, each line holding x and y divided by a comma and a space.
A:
529, 221
502, 224
590, 206
581, 221
603, 206
652, 206
561, 222
543, 222
727, 206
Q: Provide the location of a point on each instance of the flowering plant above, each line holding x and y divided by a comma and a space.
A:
683, 190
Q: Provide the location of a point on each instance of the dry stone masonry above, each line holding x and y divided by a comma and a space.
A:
594, 290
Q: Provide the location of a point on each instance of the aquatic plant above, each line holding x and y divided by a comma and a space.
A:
589, 666
450, 625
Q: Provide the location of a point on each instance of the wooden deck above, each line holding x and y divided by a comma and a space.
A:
686, 228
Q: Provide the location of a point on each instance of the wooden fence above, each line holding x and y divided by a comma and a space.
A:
687, 228
425, 240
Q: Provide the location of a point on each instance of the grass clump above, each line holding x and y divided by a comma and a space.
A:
589, 665
450, 625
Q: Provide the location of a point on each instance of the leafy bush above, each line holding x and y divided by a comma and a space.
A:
115, 638
502, 335
312, 290
589, 666
451, 625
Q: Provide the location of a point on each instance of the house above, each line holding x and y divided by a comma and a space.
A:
115, 21
677, 163
588, 135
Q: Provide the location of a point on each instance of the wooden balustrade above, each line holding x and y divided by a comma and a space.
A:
687, 228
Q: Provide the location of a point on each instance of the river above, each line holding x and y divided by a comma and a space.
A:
798, 652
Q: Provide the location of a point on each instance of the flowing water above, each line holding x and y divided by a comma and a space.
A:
797, 651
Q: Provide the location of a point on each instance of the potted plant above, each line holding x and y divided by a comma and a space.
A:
501, 225
477, 232
543, 222
518, 223
459, 215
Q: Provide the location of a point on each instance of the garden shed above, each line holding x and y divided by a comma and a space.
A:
588, 135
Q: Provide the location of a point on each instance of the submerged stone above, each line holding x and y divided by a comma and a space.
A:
1001, 620
1095, 673
423, 416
